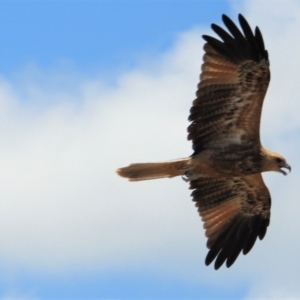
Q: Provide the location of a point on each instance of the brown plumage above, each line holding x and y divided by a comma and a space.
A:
225, 169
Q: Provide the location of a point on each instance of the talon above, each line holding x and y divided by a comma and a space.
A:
189, 176
185, 179
186, 176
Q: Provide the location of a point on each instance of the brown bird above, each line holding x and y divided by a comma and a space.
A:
225, 169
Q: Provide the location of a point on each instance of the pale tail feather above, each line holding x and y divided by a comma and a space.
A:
146, 171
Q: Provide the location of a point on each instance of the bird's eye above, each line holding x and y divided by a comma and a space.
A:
278, 160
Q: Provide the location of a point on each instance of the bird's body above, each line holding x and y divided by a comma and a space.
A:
228, 161
225, 169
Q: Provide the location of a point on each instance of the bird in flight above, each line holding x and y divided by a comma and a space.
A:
225, 168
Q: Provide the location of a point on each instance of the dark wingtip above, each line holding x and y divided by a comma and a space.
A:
210, 257
219, 265
205, 37
240, 16
225, 18
238, 44
230, 262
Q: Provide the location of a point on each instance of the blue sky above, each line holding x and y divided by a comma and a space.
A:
89, 86
95, 35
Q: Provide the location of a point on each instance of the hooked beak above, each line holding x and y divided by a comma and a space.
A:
287, 166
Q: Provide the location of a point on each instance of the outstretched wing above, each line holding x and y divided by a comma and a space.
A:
235, 212
233, 83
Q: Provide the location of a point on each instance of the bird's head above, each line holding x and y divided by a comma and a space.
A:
279, 163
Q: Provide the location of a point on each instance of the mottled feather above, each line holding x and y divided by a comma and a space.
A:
235, 211
233, 83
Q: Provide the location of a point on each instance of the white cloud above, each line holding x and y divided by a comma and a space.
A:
62, 205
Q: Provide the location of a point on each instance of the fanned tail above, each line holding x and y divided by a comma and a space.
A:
146, 171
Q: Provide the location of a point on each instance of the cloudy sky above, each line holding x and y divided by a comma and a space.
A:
90, 86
